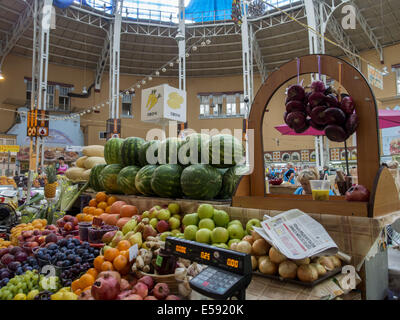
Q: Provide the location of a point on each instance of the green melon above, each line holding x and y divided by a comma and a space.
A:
143, 180
168, 151
225, 151
190, 152
152, 148
112, 151
230, 180
130, 151
94, 179
166, 181
108, 178
201, 181
126, 180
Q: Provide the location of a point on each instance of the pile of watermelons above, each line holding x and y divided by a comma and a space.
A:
199, 167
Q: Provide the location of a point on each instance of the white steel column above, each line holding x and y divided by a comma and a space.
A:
182, 46
115, 60
246, 52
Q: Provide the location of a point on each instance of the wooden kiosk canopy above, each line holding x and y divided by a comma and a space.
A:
384, 199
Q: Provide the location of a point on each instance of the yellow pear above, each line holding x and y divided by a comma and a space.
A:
136, 239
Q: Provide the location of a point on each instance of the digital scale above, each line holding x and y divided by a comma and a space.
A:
229, 272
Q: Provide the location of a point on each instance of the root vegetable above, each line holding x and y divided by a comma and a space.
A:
276, 256
261, 258
260, 247
287, 270
255, 235
307, 273
244, 246
337, 263
249, 239
302, 261
326, 262
254, 263
320, 269
266, 266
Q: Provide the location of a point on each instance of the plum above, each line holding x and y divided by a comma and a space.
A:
295, 92
316, 99
335, 133
332, 101
347, 105
352, 124
14, 265
296, 120
3, 251
334, 116
318, 115
318, 86
5, 273
295, 105
21, 256
15, 250
7, 258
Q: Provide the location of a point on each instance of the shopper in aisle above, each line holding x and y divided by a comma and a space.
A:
288, 176
304, 179
61, 166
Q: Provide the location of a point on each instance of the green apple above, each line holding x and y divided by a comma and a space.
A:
146, 214
175, 232
178, 216
233, 241
174, 223
203, 236
163, 214
205, 211
166, 234
251, 223
153, 212
207, 224
221, 218
219, 235
190, 232
174, 208
191, 219
236, 231
180, 235
154, 222
221, 245
235, 222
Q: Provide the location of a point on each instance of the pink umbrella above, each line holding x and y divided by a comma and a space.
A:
387, 119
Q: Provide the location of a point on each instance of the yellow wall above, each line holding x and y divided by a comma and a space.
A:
15, 68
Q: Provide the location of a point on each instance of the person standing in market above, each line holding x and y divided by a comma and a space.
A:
304, 179
324, 173
61, 166
288, 176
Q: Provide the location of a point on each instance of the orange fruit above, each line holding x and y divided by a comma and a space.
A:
93, 272
123, 245
91, 210
108, 209
111, 200
125, 253
107, 266
81, 217
98, 261
111, 254
93, 203
89, 218
101, 196
86, 209
98, 212
78, 292
86, 280
75, 285
120, 262
102, 205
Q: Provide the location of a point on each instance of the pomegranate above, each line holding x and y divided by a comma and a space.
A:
148, 281
106, 288
124, 294
161, 291
358, 193
141, 289
86, 295
113, 274
172, 297
125, 285
133, 297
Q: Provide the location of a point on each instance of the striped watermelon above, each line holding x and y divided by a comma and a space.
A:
230, 180
126, 180
112, 151
94, 179
190, 152
166, 181
201, 181
143, 180
130, 151
225, 151
168, 151
153, 152
108, 178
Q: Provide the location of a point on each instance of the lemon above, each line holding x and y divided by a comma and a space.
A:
57, 296
65, 289
32, 294
70, 296
20, 296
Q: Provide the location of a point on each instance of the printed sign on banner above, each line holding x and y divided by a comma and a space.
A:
163, 103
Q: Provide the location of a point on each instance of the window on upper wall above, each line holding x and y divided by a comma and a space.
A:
398, 81
64, 101
204, 105
102, 135
127, 106
217, 105
50, 97
231, 105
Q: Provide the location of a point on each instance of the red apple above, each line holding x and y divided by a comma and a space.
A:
148, 281
140, 289
68, 226
61, 224
76, 227
33, 244
41, 239
74, 221
162, 226
36, 232
30, 239
67, 218
161, 291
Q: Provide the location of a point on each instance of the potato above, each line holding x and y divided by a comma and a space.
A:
307, 273
260, 247
276, 256
266, 266
287, 269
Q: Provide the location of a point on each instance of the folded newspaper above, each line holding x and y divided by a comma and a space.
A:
296, 235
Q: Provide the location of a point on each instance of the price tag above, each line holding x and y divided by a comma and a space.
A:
97, 222
133, 252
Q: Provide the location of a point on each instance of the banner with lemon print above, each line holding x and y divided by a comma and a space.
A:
163, 103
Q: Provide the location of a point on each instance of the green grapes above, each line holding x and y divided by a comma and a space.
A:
20, 284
